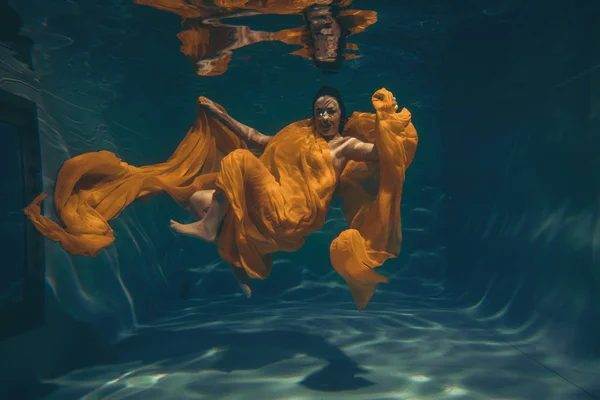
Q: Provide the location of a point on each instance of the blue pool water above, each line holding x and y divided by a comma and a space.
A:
495, 294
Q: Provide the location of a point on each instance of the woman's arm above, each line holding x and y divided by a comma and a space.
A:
244, 132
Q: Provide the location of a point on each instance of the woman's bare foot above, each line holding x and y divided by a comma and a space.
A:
207, 228
195, 229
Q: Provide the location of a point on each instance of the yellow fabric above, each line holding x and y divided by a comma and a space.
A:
372, 194
94, 188
275, 200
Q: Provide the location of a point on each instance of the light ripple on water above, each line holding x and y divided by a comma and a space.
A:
317, 349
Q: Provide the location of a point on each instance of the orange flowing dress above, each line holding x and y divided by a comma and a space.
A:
276, 200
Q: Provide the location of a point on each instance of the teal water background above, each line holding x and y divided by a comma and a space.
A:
496, 292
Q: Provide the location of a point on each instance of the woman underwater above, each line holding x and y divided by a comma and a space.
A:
250, 206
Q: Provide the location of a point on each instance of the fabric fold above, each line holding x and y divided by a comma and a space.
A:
94, 188
372, 195
276, 200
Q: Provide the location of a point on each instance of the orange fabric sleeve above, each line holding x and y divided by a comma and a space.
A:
372, 194
95, 187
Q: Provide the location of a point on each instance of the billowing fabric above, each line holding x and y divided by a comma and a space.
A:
372, 193
276, 200
95, 187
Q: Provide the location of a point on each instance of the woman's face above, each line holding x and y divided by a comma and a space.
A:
327, 115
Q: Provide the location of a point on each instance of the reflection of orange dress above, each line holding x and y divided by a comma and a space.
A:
205, 38
276, 200
214, 42
206, 8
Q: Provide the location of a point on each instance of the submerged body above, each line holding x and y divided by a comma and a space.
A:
264, 204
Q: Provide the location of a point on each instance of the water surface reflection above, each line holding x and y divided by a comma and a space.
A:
209, 42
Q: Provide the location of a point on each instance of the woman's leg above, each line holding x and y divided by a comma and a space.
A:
200, 202
206, 229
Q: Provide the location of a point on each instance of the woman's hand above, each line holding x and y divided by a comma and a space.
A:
244, 132
211, 107
384, 101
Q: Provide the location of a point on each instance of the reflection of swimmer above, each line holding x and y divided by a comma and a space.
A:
211, 8
329, 28
326, 33
209, 42
252, 207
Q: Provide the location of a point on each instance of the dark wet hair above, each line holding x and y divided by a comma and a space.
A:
332, 92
